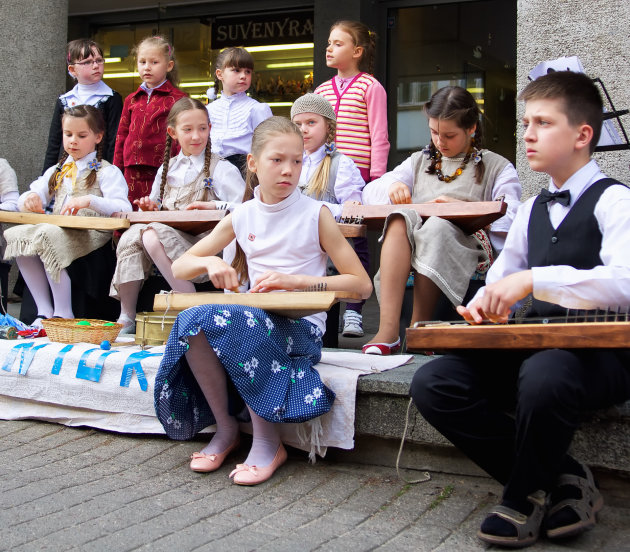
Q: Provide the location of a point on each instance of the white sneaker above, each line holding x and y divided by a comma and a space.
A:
352, 324
129, 325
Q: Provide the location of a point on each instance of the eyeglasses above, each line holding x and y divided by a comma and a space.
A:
89, 62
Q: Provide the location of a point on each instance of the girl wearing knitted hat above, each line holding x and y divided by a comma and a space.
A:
329, 175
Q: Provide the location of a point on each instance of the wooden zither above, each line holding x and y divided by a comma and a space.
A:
194, 221
293, 304
65, 221
470, 216
586, 331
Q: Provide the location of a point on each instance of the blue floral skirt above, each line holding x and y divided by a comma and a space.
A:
269, 360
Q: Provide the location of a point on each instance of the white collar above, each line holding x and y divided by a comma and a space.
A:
273, 207
97, 89
148, 90
83, 162
580, 180
239, 96
316, 157
196, 160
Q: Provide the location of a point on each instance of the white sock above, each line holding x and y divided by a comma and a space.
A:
128, 293
265, 442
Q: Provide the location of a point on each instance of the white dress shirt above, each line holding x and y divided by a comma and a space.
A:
110, 180
604, 286
507, 184
348, 181
227, 179
233, 120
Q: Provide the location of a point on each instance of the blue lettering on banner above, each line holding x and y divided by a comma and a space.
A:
132, 363
92, 373
56, 368
28, 354
10, 358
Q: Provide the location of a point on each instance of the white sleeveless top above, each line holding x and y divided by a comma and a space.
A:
283, 237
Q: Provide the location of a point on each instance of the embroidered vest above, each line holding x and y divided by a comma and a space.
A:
177, 198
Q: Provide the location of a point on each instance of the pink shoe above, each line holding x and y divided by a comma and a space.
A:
205, 463
253, 475
381, 348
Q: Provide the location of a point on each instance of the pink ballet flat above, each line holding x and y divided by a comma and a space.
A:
205, 463
381, 348
253, 475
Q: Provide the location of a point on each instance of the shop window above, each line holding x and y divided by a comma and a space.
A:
470, 44
283, 57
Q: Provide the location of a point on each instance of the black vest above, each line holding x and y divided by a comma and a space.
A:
576, 242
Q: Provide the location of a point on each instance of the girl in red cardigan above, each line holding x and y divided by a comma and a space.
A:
141, 133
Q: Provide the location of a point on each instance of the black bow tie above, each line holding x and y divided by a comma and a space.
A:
563, 197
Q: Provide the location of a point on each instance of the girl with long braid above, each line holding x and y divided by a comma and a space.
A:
194, 179
82, 183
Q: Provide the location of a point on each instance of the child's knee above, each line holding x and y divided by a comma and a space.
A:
150, 239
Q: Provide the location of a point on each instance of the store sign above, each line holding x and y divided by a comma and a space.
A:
261, 30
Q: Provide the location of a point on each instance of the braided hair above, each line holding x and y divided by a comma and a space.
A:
318, 184
96, 123
456, 104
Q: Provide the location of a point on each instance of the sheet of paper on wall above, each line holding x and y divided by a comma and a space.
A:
609, 135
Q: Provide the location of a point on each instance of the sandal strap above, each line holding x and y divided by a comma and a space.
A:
591, 499
526, 526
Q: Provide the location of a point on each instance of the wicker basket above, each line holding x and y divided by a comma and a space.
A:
153, 328
66, 330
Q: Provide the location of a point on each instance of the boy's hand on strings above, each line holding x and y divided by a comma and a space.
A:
399, 193
221, 274
445, 199
73, 205
33, 203
146, 204
203, 205
272, 280
494, 305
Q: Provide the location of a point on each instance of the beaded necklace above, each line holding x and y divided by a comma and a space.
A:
437, 158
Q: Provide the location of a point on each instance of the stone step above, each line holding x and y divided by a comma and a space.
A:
602, 441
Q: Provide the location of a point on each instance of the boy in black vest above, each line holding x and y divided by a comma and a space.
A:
568, 247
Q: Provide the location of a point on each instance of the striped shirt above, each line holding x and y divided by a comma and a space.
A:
361, 110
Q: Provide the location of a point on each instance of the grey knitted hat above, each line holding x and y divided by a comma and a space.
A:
313, 103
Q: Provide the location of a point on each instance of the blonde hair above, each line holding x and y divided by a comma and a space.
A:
181, 105
273, 126
167, 50
94, 119
318, 184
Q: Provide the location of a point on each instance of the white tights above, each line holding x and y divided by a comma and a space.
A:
129, 291
42, 286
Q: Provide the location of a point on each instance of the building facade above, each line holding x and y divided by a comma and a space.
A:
488, 46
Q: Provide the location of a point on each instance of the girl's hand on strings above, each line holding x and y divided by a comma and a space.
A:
33, 203
146, 204
221, 274
271, 281
203, 205
73, 205
399, 193
445, 199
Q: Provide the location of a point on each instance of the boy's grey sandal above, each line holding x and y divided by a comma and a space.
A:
585, 507
527, 527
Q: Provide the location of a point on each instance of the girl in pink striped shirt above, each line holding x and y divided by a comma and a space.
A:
359, 100
360, 104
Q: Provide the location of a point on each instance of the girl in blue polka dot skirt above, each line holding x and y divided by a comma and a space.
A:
219, 356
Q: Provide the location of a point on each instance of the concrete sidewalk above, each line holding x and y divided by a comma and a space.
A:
82, 489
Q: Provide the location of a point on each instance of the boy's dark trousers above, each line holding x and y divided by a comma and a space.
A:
514, 413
